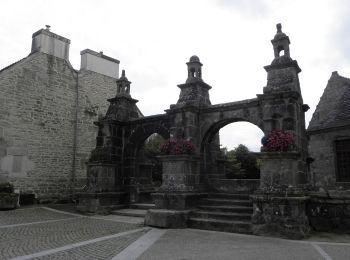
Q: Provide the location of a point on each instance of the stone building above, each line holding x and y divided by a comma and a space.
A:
47, 110
329, 150
329, 133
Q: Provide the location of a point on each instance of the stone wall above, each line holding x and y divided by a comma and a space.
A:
330, 211
94, 90
38, 127
37, 117
321, 149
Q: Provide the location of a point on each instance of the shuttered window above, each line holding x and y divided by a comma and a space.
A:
342, 148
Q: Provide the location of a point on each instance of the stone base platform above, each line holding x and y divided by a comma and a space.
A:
281, 215
93, 202
164, 218
177, 201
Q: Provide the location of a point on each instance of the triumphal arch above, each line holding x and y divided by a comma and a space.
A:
278, 200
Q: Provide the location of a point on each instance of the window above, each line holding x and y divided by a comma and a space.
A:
342, 149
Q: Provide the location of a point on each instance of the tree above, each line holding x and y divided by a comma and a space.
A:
233, 168
249, 161
240, 163
151, 150
152, 145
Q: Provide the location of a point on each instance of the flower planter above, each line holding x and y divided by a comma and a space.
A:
281, 169
180, 173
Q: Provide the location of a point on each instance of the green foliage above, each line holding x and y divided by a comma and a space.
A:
152, 148
153, 144
232, 166
241, 163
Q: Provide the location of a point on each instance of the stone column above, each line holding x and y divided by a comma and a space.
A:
180, 191
279, 205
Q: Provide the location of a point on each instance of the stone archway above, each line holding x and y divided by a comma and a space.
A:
211, 166
195, 119
142, 167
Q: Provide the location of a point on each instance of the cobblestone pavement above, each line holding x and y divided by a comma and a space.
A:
207, 245
96, 251
30, 215
42, 233
29, 231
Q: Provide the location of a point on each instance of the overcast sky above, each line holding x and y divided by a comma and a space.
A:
154, 39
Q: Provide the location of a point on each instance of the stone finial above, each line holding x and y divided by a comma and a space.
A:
194, 69
279, 28
48, 27
280, 42
123, 85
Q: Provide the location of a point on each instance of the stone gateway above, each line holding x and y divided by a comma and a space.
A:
304, 174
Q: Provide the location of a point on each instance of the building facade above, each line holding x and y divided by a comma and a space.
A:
329, 136
47, 110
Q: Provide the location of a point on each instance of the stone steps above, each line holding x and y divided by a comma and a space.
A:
226, 208
223, 212
222, 215
222, 202
221, 225
242, 196
142, 206
134, 210
130, 212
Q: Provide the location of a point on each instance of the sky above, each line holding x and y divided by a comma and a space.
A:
154, 39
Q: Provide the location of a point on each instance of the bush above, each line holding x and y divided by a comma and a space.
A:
177, 146
279, 141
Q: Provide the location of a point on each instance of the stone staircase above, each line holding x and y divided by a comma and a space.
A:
223, 212
134, 210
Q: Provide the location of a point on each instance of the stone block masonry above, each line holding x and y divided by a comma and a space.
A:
47, 110
37, 115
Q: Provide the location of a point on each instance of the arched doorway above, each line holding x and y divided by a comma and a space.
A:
144, 144
229, 159
148, 166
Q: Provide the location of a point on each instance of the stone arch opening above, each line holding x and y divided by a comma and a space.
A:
142, 165
148, 169
141, 133
213, 162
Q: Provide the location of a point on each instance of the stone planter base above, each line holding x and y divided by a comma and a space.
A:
167, 218
180, 173
9, 200
330, 211
281, 169
280, 215
99, 202
177, 201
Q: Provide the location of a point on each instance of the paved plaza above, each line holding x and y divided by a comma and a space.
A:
48, 233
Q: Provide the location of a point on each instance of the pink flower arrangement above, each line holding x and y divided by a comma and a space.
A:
279, 141
177, 146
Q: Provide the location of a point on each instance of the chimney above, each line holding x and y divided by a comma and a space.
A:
50, 43
99, 63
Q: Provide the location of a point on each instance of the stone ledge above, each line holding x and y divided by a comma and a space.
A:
164, 218
91, 202
177, 201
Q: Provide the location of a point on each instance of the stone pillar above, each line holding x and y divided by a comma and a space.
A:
280, 202
180, 191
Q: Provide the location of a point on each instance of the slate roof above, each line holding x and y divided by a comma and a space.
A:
333, 110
